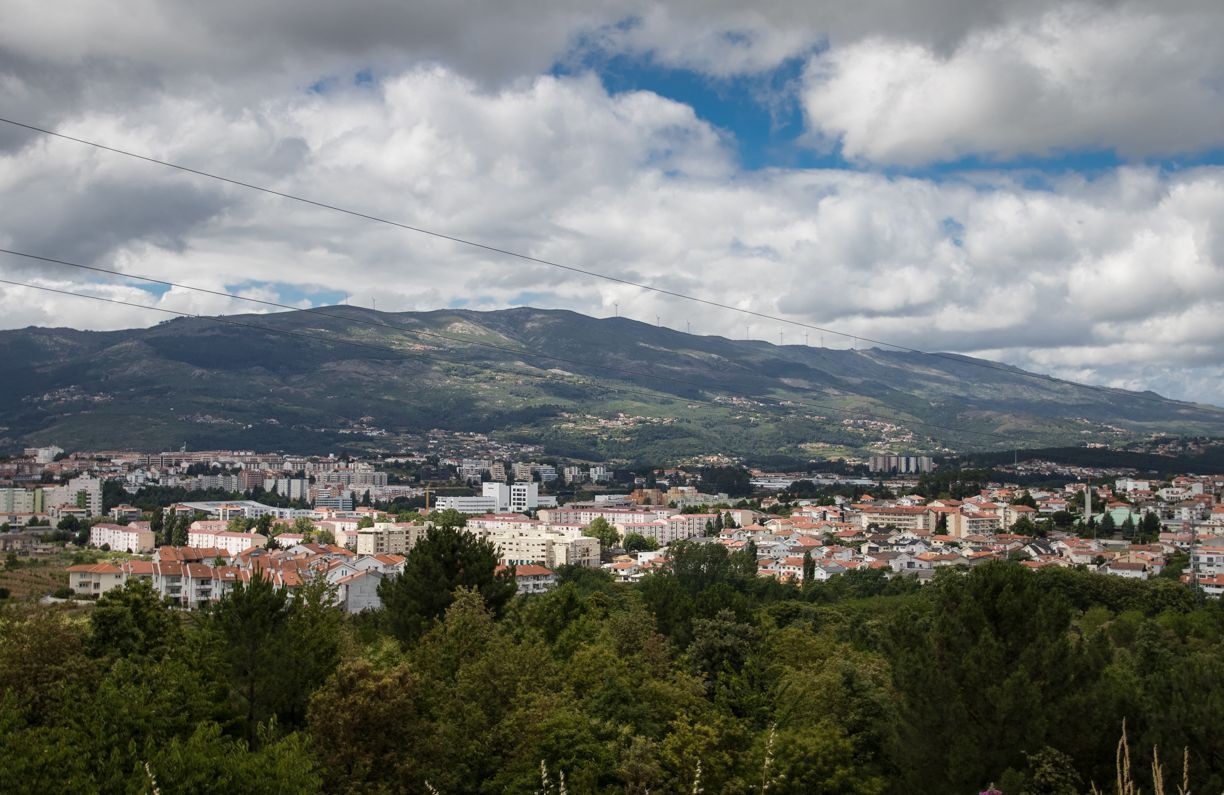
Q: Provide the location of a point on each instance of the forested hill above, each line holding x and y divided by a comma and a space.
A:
348, 377
702, 678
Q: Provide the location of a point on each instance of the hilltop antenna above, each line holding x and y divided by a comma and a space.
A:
780, 337
747, 331
805, 339
616, 308
688, 329
658, 322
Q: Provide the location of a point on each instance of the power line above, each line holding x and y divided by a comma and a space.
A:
781, 405
571, 268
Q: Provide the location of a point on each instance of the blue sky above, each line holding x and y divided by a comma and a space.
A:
764, 121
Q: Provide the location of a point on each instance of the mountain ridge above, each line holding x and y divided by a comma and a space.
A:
312, 379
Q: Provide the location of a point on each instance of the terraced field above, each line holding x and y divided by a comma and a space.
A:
33, 581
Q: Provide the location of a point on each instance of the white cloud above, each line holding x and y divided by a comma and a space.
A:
1144, 80
1118, 278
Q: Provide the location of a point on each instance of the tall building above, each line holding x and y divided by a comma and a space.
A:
496, 498
84, 491
19, 500
901, 464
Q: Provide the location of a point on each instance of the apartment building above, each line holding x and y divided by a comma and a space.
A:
388, 538
232, 543
122, 538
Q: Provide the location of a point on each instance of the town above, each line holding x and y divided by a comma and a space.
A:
210, 519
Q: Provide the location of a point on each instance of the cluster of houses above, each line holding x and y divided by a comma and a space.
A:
907, 535
914, 536
191, 577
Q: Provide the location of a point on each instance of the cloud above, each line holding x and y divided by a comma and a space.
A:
1144, 81
1115, 277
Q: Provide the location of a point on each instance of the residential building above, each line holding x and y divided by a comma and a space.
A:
531, 578
388, 538
232, 543
95, 578
122, 538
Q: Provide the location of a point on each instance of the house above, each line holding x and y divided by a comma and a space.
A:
95, 578
1133, 570
534, 579
359, 591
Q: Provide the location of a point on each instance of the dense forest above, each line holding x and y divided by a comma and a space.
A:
701, 678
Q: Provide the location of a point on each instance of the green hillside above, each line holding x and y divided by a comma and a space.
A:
618, 389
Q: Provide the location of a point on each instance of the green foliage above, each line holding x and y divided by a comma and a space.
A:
604, 532
132, 620
448, 519
275, 651
445, 558
701, 674
636, 542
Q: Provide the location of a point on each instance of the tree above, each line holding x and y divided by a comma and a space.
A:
263, 525
275, 651
157, 523
1149, 528
1025, 499
636, 542
450, 518
1024, 526
809, 568
602, 530
444, 559
1108, 525
369, 724
132, 620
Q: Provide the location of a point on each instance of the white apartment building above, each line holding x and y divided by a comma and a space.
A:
1208, 560
467, 504
471, 469
84, 491
122, 538
544, 546
232, 543
515, 497
496, 498
585, 515
502, 521
293, 488
902, 518
677, 527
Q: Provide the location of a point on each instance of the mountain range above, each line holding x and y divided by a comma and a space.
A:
614, 389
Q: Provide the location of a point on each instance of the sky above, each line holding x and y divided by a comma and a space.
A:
1035, 182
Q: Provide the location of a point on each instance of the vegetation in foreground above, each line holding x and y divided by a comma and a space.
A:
705, 678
